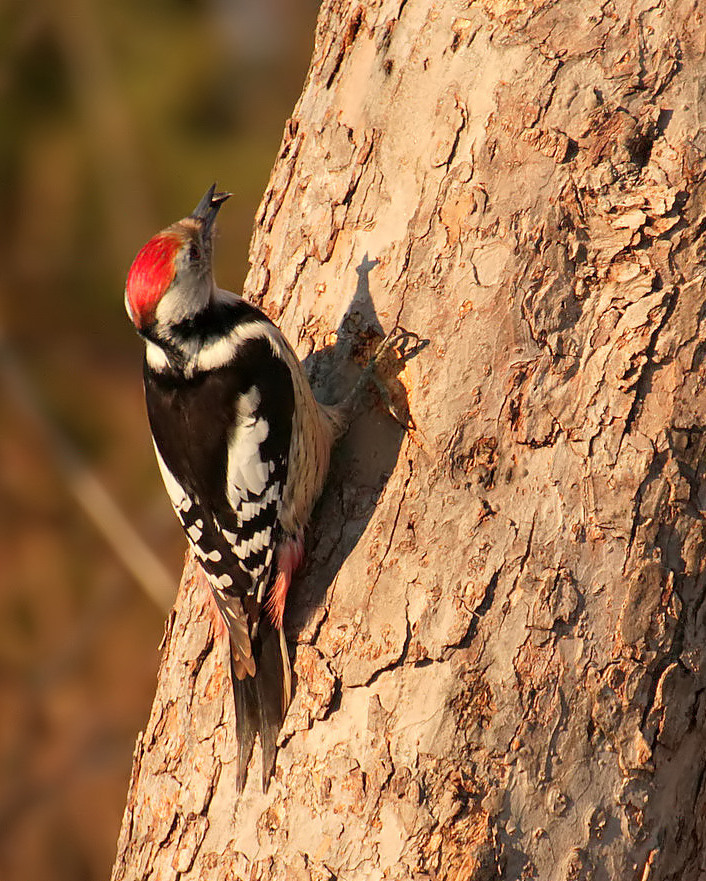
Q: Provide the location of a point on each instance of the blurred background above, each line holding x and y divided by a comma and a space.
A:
114, 119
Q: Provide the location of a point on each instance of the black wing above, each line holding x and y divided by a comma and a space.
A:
223, 440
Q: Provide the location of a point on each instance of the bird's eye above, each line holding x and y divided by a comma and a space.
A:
194, 253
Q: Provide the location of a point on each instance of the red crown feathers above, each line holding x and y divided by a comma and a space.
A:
150, 275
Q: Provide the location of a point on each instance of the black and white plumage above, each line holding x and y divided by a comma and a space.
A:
243, 448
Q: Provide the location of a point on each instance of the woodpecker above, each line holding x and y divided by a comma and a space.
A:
243, 448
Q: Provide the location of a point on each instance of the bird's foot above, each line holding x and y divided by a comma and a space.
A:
401, 345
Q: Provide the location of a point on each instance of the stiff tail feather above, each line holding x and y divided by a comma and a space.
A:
261, 702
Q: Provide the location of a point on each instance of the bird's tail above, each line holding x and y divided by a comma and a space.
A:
261, 701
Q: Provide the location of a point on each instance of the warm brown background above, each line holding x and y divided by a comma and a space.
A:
113, 120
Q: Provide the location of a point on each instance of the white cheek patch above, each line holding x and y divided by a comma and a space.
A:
187, 295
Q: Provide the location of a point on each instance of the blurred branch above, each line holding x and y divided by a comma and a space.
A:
86, 488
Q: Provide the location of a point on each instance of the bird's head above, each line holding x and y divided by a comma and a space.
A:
171, 278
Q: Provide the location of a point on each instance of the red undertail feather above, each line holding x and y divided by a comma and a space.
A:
289, 557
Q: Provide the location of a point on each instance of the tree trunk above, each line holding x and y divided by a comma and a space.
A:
499, 630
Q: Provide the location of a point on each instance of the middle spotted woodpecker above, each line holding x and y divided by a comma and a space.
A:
243, 448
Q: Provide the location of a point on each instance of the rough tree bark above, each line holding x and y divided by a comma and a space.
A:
499, 632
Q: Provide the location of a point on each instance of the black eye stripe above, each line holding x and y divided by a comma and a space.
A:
194, 252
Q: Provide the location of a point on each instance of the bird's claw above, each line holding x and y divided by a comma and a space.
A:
398, 340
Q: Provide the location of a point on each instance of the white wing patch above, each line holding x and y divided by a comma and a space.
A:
214, 355
250, 509
178, 497
244, 548
247, 472
221, 351
259, 541
156, 357
251, 492
202, 554
230, 537
194, 532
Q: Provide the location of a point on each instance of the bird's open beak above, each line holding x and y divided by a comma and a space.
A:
208, 207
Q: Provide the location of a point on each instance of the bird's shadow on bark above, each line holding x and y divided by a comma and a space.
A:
362, 461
